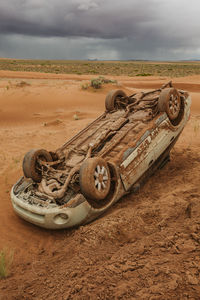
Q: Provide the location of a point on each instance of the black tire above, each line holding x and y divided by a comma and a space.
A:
170, 102
95, 179
54, 156
112, 96
30, 163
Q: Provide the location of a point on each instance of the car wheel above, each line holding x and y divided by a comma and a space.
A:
95, 179
111, 99
170, 102
30, 163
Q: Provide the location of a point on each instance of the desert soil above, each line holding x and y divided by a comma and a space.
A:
147, 246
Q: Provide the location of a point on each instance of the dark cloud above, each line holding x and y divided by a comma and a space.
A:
89, 18
101, 28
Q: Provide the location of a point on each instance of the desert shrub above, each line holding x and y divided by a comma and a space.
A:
105, 80
144, 74
96, 83
6, 259
85, 86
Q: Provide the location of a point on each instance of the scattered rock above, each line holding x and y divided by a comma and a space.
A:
53, 123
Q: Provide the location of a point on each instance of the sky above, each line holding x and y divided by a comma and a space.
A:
100, 29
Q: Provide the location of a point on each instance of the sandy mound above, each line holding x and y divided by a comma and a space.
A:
145, 247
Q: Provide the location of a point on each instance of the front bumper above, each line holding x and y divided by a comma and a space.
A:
51, 217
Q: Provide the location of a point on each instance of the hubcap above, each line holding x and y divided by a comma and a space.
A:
101, 177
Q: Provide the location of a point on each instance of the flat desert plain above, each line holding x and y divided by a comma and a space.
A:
147, 246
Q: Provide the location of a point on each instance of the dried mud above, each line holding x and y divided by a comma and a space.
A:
147, 246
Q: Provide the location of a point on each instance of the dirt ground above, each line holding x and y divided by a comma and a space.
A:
147, 246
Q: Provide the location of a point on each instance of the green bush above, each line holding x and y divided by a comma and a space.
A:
144, 74
96, 83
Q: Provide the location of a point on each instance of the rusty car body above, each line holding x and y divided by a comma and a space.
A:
109, 158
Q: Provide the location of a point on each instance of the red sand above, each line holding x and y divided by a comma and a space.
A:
147, 246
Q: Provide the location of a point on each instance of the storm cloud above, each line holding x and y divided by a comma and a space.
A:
103, 29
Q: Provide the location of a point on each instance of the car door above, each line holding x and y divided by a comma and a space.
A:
138, 159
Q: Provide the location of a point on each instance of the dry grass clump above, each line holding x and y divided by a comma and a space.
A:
196, 128
76, 117
6, 259
85, 86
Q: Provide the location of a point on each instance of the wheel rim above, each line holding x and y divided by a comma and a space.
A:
174, 105
101, 178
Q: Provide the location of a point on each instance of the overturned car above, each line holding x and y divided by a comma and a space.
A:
112, 156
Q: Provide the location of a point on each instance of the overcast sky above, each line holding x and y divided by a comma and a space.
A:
102, 29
